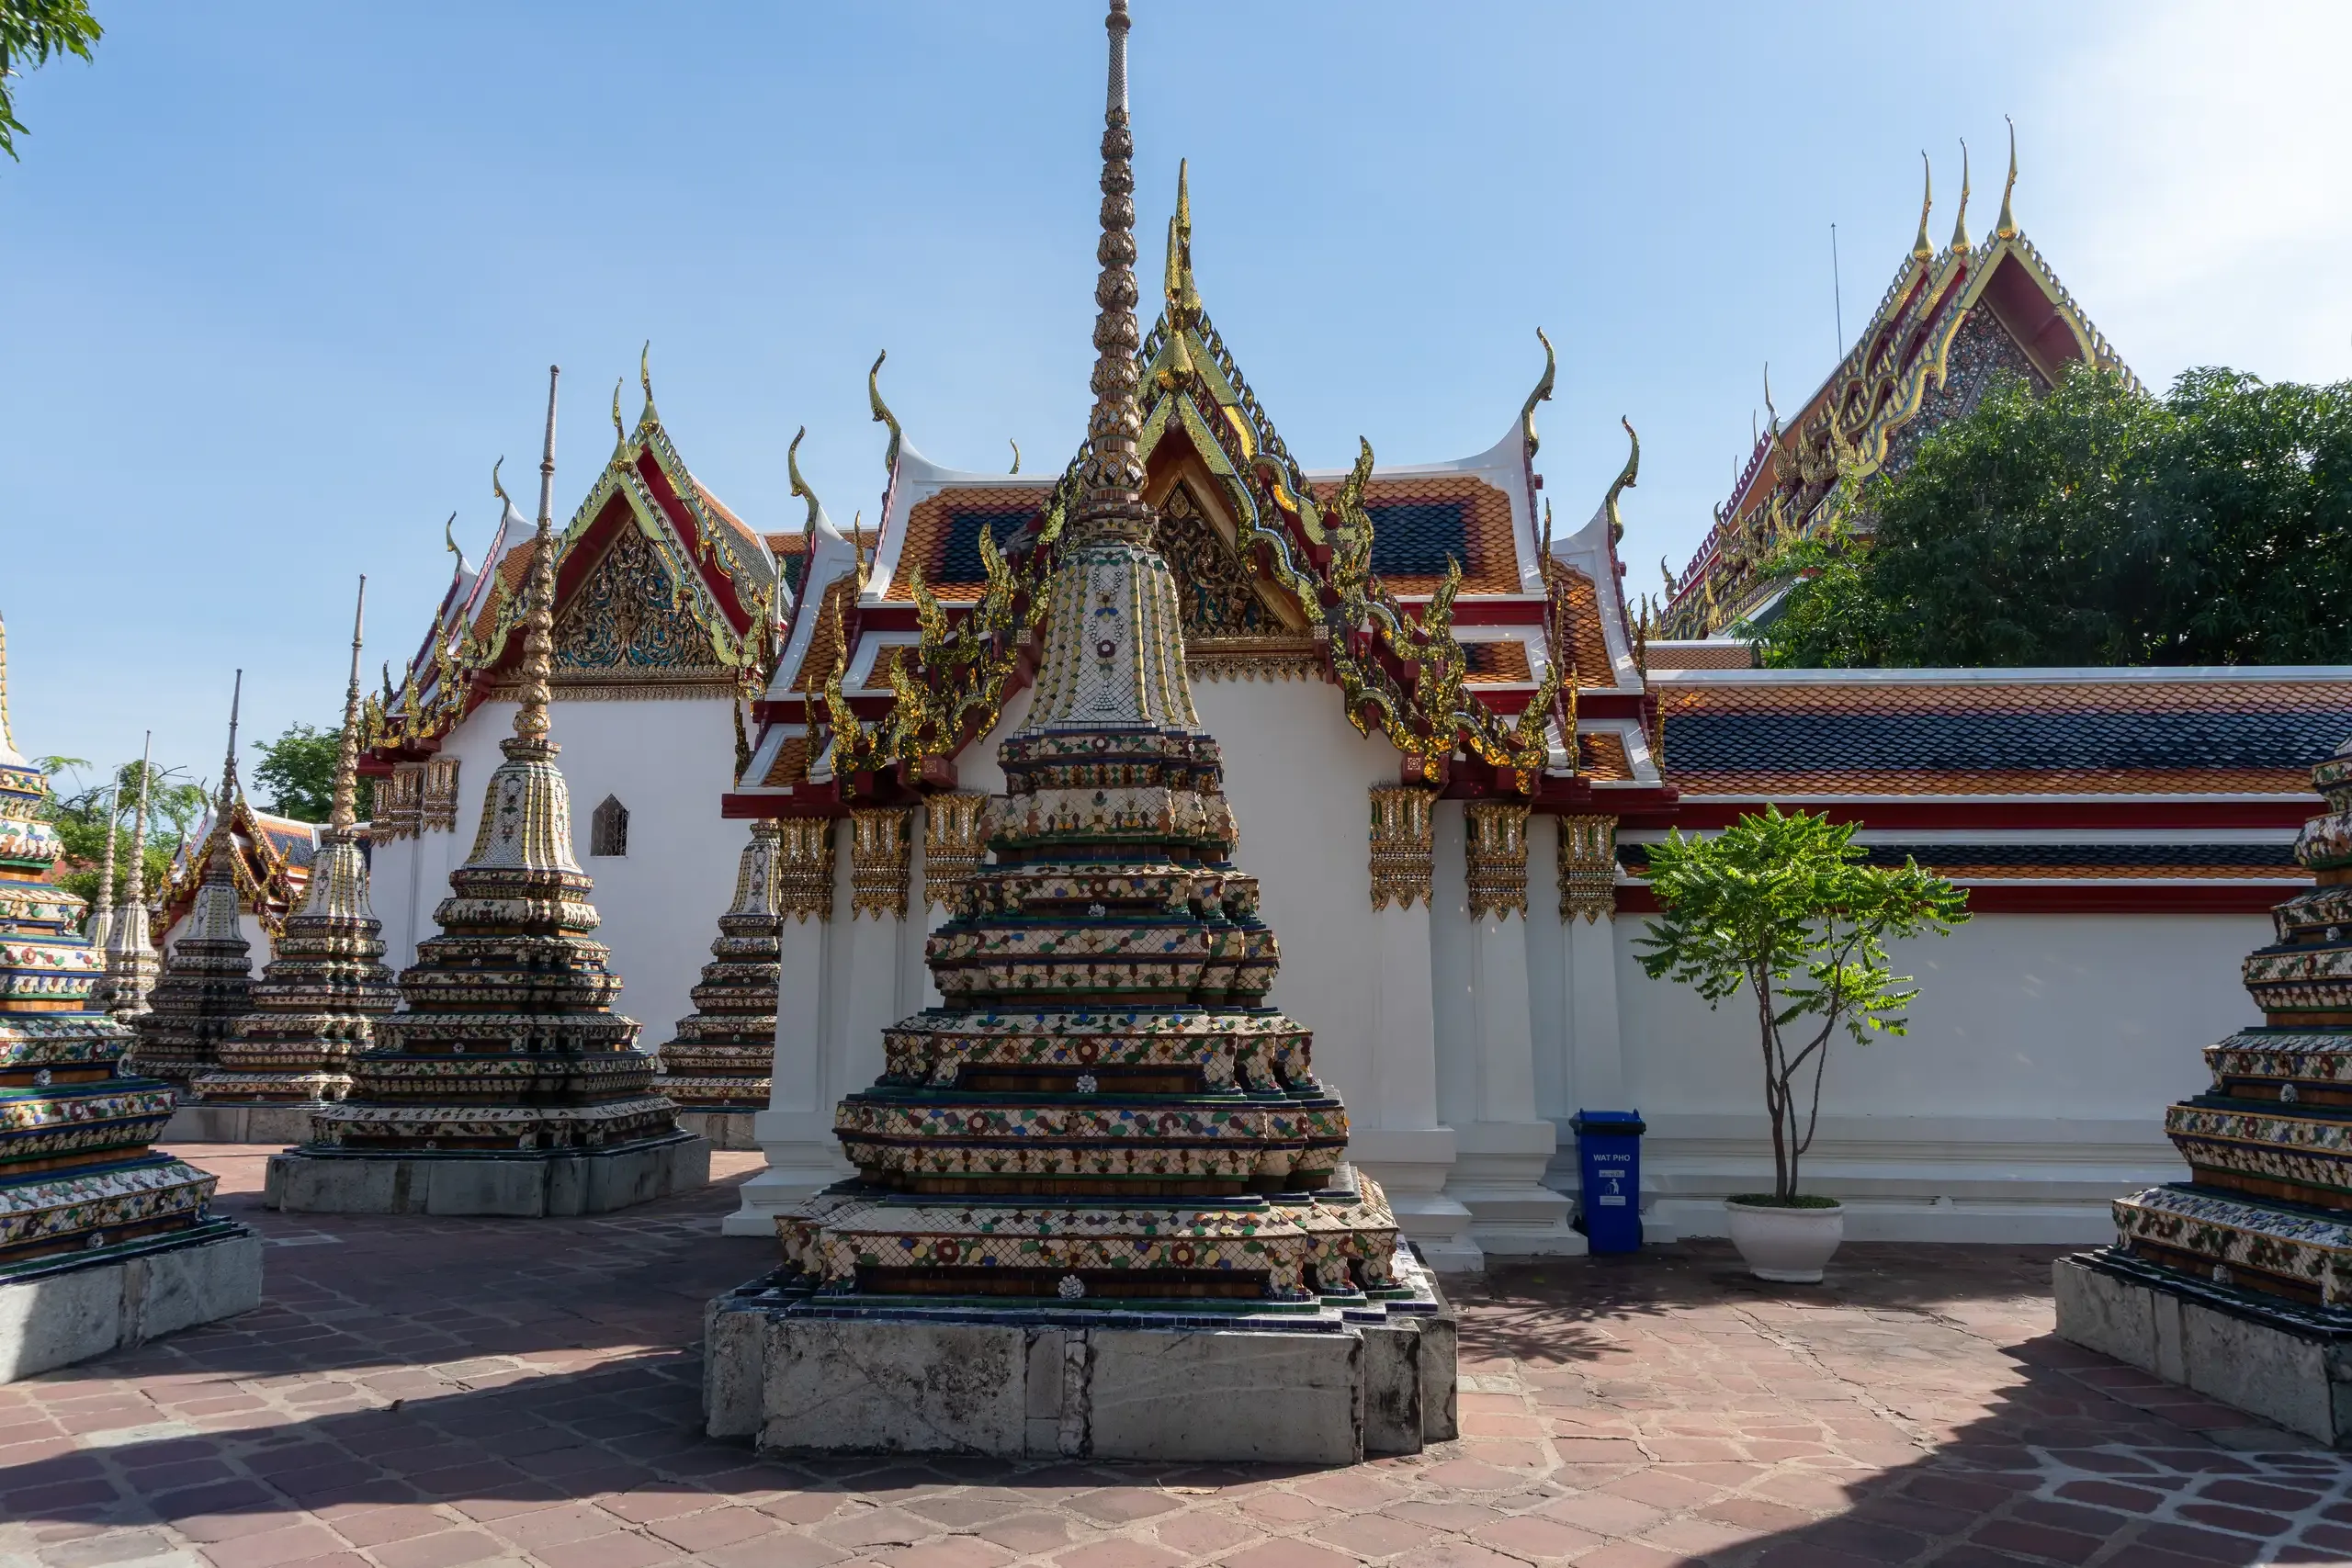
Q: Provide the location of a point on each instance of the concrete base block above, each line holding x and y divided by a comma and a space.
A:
2266, 1362
229, 1124
522, 1186
79, 1311
801, 1373
723, 1129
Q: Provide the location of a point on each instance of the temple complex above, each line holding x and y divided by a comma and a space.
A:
316, 1001
1100, 1135
205, 985
506, 1085
716, 1067
1951, 323
103, 1241
2238, 1282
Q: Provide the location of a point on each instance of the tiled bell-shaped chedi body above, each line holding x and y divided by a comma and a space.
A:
207, 984
2267, 1208
722, 1055
508, 1041
315, 1005
80, 1187
1103, 1107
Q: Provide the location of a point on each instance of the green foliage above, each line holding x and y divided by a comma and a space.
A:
2097, 526
31, 32
81, 819
297, 768
1785, 909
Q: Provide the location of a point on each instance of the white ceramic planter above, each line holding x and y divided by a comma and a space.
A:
1788, 1245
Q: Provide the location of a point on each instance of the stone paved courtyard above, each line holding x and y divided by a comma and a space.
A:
430, 1394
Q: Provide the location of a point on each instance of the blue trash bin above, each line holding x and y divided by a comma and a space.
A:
1609, 1164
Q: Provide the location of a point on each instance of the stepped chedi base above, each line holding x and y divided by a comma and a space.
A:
2238, 1283
103, 1240
507, 1085
316, 1002
719, 1066
1103, 1207
207, 985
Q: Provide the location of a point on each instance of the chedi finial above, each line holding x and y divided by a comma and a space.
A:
1113, 501
538, 646
7, 741
343, 815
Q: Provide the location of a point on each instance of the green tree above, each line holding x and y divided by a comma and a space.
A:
31, 32
1787, 910
81, 819
2097, 524
298, 769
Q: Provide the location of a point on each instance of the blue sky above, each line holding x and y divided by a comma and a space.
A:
283, 280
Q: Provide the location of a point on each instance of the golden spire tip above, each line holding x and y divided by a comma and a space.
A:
2005, 226
1922, 247
1960, 224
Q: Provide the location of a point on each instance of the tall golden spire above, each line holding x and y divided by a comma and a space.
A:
2005, 226
1960, 224
1183, 296
7, 742
1112, 504
1922, 247
538, 646
344, 815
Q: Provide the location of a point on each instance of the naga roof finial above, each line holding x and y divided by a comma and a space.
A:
882, 415
449, 536
2005, 226
344, 814
858, 546
1016, 454
1922, 247
1543, 393
800, 487
1768, 409
1960, 224
620, 432
645, 373
1183, 296
538, 647
497, 489
1626, 479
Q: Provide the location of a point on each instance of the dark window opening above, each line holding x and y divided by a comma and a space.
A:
608, 829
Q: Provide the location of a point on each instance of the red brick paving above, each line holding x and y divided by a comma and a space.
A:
420, 1394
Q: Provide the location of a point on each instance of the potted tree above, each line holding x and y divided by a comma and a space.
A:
1788, 909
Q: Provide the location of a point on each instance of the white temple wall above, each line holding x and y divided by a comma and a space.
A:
668, 760
2029, 1090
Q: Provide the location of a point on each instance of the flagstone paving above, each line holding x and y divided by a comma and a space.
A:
431, 1394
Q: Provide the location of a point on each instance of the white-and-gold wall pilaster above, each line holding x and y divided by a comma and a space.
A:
1504, 1145
796, 1131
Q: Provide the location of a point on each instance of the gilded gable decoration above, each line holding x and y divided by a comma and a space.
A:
1214, 585
625, 621
1403, 840
1497, 857
880, 842
437, 808
1587, 867
804, 867
955, 838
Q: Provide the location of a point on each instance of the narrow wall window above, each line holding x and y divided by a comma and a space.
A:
608, 829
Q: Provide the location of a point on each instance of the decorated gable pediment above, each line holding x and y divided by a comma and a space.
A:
625, 621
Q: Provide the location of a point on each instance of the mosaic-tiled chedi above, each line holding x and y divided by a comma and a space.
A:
314, 1006
78, 1182
723, 1055
2267, 1208
508, 1042
207, 984
1103, 1107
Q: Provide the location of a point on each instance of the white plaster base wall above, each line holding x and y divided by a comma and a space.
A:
2028, 1092
668, 760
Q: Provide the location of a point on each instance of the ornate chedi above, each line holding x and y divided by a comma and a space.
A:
131, 962
80, 1187
316, 1001
508, 1059
2256, 1246
206, 986
717, 1068
1103, 1132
